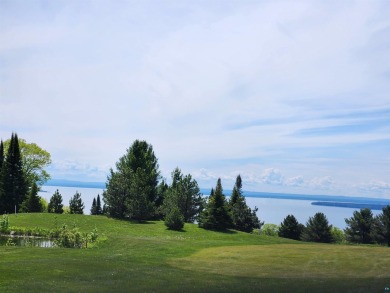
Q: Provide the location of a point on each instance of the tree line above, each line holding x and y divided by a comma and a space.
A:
136, 191
362, 228
21, 175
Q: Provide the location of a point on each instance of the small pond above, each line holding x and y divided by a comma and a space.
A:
25, 241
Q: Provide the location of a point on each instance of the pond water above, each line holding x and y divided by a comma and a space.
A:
26, 241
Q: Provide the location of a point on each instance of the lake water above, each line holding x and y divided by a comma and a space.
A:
271, 210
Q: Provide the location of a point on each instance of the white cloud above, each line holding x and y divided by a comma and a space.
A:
210, 86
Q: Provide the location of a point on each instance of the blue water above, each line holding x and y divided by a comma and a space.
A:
273, 207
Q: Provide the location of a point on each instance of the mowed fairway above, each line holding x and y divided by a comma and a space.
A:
149, 258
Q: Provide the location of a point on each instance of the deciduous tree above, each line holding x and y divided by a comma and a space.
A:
34, 161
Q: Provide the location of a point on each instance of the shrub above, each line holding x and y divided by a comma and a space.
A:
174, 220
270, 230
4, 224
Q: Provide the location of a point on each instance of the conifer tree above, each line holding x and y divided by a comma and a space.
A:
216, 215
32, 203
93, 207
244, 219
1, 176
55, 204
99, 210
317, 229
290, 228
76, 205
13, 181
360, 227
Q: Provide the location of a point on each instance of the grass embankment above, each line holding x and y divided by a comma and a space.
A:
148, 257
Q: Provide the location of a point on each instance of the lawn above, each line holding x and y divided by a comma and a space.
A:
149, 258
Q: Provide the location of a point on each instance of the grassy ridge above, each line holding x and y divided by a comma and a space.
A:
148, 257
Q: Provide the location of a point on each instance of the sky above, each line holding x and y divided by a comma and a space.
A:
292, 95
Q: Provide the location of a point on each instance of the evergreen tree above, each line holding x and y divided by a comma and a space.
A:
360, 227
32, 204
99, 210
131, 191
76, 205
290, 228
1, 175
13, 182
93, 207
174, 220
318, 229
216, 215
381, 227
1, 154
184, 193
244, 219
55, 204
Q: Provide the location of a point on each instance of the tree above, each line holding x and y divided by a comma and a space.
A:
216, 215
290, 228
34, 161
1, 154
318, 229
76, 205
382, 226
183, 193
13, 183
55, 204
131, 191
174, 220
99, 210
93, 207
360, 227
32, 204
243, 218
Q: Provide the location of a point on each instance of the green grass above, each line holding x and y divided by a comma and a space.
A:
149, 258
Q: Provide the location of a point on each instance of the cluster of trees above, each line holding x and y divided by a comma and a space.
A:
96, 208
362, 227
21, 174
133, 192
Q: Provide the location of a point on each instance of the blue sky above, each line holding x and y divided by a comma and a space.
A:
293, 95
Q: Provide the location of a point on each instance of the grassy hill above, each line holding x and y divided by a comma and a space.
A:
149, 258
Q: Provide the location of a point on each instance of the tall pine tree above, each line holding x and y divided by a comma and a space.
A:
13, 181
93, 207
55, 204
32, 204
1, 176
244, 219
99, 209
216, 215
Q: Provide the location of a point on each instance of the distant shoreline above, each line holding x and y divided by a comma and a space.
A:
320, 200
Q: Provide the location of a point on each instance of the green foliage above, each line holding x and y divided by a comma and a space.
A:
55, 204
269, 230
68, 237
99, 209
4, 224
338, 235
360, 227
216, 214
131, 191
76, 204
174, 220
32, 204
93, 207
13, 182
381, 227
318, 229
291, 228
34, 161
243, 218
184, 194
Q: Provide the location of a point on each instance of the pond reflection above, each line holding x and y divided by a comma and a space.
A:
26, 241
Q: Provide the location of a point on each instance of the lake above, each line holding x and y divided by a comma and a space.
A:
273, 208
